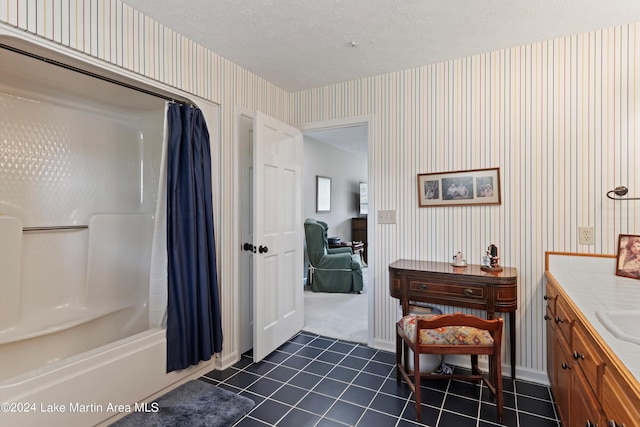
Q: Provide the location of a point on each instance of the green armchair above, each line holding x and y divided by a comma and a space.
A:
330, 270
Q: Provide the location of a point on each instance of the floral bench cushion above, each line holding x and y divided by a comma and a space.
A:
449, 335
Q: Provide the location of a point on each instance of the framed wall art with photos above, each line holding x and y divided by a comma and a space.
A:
628, 263
460, 188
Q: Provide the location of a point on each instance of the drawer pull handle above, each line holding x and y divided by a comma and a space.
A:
559, 320
423, 287
577, 355
565, 366
547, 317
614, 424
468, 292
545, 297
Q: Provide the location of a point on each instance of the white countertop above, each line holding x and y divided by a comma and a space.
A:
592, 285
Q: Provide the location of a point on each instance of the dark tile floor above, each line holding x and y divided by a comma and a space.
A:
318, 381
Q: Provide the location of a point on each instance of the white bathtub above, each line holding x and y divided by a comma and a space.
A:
92, 387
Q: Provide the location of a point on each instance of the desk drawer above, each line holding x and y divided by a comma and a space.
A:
435, 290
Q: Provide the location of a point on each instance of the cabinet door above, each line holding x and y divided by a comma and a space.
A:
620, 403
550, 328
585, 408
587, 357
563, 368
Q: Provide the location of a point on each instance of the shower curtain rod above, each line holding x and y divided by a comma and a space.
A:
90, 74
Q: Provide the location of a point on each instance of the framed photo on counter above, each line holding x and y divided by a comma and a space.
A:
628, 264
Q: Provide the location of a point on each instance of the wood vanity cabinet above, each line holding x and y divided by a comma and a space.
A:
590, 385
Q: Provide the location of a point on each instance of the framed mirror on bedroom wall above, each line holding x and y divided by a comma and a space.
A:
323, 194
364, 200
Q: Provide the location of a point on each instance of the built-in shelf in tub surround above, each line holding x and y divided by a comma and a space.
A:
594, 288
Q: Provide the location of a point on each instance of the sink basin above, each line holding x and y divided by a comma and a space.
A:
623, 324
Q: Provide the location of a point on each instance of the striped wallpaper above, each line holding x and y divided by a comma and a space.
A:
560, 118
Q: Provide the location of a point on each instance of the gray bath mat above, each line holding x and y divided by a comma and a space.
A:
196, 403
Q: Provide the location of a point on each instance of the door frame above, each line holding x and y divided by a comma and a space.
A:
237, 230
367, 120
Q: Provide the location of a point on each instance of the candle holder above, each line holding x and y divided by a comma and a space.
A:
490, 260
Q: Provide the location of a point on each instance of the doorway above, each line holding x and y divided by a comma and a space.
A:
340, 150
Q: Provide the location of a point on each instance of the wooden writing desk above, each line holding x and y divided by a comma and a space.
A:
468, 287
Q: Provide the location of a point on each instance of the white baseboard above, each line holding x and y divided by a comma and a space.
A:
227, 361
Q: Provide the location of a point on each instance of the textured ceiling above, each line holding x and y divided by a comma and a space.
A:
301, 44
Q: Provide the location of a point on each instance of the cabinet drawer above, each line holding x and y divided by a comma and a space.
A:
550, 297
587, 357
467, 292
563, 320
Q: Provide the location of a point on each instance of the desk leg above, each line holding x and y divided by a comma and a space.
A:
512, 341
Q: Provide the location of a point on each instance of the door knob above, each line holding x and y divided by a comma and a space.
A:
263, 249
249, 247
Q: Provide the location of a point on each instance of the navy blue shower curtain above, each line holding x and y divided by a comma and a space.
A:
194, 330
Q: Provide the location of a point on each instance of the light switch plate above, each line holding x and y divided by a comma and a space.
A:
386, 217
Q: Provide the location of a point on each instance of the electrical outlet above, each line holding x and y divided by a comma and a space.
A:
386, 217
586, 236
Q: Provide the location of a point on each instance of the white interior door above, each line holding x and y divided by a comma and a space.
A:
277, 231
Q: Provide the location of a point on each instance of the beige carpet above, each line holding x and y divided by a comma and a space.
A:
342, 316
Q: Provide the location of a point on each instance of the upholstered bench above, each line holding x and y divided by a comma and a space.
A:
450, 334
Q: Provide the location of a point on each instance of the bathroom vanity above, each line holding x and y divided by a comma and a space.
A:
593, 340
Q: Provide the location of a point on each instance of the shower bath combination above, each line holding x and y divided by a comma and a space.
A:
82, 242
